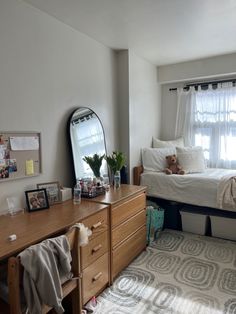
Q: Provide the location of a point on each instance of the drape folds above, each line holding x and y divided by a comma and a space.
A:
207, 118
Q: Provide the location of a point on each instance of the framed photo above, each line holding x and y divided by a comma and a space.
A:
53, 191
36, 199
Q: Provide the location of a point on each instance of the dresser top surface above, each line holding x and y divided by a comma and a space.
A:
114, 195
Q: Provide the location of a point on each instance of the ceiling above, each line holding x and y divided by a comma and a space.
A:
161, 31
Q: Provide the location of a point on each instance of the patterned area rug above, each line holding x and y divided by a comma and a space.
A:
180, 273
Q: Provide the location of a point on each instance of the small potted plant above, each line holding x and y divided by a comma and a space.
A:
94, 163
115, 162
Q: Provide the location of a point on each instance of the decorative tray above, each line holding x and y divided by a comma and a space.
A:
93, 192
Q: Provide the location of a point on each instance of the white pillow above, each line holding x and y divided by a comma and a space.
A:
156, 143
154, 159
191, 159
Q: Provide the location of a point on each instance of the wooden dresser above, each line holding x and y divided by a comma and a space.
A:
95, 256
127, 224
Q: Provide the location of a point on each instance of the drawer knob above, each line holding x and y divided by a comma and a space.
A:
96, 277
95, 226
96, 248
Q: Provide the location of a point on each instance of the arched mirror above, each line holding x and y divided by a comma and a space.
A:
87, 138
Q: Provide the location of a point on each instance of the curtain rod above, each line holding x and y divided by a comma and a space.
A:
204, 84
82, 118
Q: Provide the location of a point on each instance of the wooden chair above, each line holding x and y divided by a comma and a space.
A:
73, 286
4, 308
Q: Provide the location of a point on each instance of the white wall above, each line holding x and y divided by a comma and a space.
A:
214, 68
123, 102
47, 69
139, 106
144, 107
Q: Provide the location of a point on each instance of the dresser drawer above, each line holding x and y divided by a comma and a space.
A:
128, 227
95, 278
128, 250
127, 209
98, 223
95, 248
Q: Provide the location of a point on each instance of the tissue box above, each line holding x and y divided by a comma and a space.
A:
66, 194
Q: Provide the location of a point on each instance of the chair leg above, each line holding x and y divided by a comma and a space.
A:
14, 285
76, 300
76, 270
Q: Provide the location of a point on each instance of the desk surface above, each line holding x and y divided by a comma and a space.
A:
31, 228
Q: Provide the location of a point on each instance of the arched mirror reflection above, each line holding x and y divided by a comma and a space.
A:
87, 138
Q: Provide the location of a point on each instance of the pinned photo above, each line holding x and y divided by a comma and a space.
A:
12, 166
1, 139
2, 162
7, 153
4, 173
2, 151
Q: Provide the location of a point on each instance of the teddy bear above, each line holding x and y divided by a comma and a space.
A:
173, 166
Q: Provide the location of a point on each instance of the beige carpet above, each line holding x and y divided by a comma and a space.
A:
180, 273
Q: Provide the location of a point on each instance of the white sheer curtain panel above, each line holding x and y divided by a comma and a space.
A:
185, 112
207, 118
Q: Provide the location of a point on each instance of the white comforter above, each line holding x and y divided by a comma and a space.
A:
203, 189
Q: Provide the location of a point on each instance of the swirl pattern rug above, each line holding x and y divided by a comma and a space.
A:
180, 273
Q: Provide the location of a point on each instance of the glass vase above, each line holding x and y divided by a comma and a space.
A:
117, 179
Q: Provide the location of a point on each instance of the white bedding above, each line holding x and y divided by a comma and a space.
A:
197, 188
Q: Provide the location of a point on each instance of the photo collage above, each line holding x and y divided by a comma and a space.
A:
7, 165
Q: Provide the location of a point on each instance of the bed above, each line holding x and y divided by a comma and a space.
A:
214, 188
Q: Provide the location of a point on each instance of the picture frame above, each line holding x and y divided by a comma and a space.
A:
53, 191
36, 199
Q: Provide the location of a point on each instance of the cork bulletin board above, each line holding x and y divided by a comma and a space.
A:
20, 155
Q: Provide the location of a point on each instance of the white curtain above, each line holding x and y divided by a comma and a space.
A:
185, 112
207, 118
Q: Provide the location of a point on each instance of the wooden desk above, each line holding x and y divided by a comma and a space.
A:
118, 222
31, 228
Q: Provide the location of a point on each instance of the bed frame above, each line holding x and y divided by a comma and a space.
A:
138, 170
172, 220
172, 207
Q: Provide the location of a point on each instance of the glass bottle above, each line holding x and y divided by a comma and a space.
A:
77, 193
117, 179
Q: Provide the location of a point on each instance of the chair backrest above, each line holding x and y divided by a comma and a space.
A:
73, 286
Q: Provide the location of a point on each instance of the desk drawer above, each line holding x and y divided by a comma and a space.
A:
95, 248
128, 227
128, 250
95, 278
98, 223
127, 209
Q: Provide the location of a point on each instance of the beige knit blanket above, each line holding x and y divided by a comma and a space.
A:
226, 193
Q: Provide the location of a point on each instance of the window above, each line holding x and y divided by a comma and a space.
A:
207, 118
214, 125
87, 138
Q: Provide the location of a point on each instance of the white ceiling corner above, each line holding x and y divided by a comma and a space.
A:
161, 31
